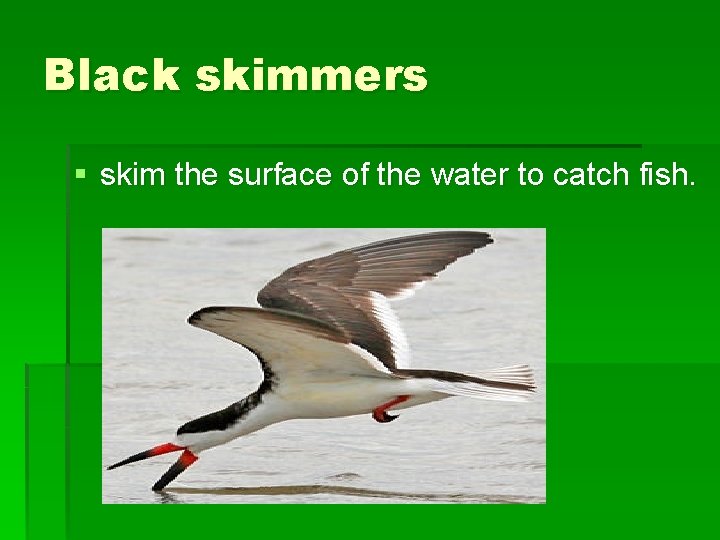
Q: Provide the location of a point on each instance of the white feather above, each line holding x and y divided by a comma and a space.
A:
290, 345
519, 374
480, 391
411, 289
391, 326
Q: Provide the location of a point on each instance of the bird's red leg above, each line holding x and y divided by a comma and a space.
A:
380, 414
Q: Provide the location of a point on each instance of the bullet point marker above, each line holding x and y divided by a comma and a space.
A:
79, 173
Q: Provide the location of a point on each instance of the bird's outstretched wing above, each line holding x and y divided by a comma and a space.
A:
290, 346
350, 290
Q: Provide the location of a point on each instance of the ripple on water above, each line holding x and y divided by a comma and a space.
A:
347, 476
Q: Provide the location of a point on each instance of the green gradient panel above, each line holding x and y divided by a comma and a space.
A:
84, 463
627, 267
529, 74
624, 267
611, 430
46, 451
523, 93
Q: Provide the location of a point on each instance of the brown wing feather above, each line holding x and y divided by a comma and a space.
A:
338, 288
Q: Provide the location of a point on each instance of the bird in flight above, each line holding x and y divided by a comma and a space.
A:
330, 345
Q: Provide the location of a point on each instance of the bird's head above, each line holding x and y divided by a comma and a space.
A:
186, 459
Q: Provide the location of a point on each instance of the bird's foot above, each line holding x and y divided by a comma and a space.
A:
384, 417
380, 414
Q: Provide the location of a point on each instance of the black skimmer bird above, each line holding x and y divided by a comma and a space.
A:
330, 345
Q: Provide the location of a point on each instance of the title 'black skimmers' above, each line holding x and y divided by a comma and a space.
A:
330, 345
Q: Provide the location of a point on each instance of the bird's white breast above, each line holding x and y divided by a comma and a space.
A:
311, 398
350, 396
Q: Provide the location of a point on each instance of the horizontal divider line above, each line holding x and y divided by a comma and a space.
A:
374, 145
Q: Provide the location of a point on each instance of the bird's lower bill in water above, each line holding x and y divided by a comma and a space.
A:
330, 345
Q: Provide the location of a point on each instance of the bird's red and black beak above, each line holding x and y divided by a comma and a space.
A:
186, 459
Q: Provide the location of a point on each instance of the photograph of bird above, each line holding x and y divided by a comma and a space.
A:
330, 345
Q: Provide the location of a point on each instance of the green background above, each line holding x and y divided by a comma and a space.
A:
632, 285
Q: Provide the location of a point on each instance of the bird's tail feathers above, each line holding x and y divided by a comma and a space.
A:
519, 374
514, 383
